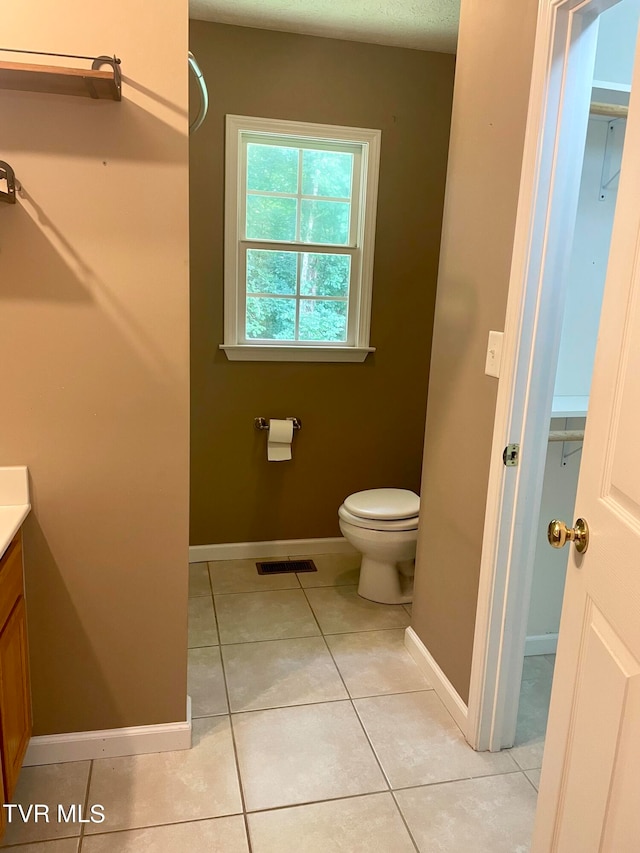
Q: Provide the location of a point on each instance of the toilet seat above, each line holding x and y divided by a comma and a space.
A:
377, 523
382, 509
383, 504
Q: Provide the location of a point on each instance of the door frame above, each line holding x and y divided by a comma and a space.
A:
558, 113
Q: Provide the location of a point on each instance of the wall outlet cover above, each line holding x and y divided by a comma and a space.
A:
494, 354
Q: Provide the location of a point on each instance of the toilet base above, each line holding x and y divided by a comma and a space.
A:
380, 580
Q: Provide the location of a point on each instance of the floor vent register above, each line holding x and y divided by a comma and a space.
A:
279, 567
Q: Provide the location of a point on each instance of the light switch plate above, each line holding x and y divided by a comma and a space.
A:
494, 354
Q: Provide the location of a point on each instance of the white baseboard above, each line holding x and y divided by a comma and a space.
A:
273, 548
436, 677
541, 644
109, 743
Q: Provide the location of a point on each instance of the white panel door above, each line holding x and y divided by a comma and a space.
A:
590, 788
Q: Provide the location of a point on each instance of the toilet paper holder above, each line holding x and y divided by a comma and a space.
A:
263, 423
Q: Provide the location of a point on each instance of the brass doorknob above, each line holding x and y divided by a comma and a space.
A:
559, 534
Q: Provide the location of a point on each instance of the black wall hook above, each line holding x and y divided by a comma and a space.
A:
7, 174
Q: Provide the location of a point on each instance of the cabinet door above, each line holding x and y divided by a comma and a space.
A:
15, 703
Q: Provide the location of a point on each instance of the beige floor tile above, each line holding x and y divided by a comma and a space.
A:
205, 682
169, 787
418, 743
51, 785
199, 580
242, 576
490, 815
528, 756
408, 608
533, 710
252, 616
376, 662
64, 845
340, 609
534, 777
281, 672
295, 755
537, 668
370, 824
202, 622
333, 570
221, 835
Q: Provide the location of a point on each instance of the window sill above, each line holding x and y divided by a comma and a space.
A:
253, 352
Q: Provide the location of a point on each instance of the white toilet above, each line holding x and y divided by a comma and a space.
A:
383, 525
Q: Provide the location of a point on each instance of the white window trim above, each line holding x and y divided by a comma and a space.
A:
298, 351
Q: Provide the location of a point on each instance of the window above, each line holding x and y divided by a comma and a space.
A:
299, 231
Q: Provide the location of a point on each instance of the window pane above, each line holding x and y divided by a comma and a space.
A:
326, 173
324, 275
271, 272
323, 320
271, 218
273, 168
273, 319
324, 222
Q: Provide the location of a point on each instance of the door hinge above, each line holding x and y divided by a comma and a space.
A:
511, 455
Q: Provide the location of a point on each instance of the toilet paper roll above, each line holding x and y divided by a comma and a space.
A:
279, 440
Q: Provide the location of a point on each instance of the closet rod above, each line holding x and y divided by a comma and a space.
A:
609, 110
61, 55
566, 435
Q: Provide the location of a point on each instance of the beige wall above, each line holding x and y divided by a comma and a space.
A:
94, 354
363, 424
495, 52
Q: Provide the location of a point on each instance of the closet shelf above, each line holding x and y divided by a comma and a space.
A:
56, 80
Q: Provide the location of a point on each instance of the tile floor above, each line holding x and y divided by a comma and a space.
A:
535, 693
313, 730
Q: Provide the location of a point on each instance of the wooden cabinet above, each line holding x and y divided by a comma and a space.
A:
15, 696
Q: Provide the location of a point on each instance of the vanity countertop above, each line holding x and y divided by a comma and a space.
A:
14, 502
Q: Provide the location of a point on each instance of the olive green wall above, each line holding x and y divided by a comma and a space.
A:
493, 76
363, 424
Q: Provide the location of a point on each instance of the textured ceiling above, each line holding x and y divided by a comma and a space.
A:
420, 24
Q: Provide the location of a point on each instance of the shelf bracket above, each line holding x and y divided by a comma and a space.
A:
114, 62
612, 156
7, 174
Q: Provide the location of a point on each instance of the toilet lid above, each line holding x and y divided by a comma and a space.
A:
383, 504
380, 524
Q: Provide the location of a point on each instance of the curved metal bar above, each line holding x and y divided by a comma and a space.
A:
114, 62
7, 174
204, 95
